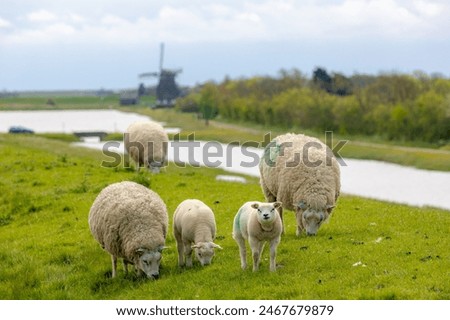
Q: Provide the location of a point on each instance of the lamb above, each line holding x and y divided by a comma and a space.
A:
303, 174
194, 227
147, 142
130, 222
258, 222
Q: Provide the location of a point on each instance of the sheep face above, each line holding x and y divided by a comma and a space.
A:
311, 219
266, 212
154, 166
205, 251
147, 262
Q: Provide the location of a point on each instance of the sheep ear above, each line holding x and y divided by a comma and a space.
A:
255, 205
161, 248
277, 204
302, 205
329, 208
195, 246
140, 251
216, 246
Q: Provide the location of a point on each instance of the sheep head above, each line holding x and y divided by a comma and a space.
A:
204, 251
311, 218
147, 261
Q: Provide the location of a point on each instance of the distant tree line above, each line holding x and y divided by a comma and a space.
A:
412, 107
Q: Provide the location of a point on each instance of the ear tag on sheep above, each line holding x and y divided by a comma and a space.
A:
302, 205
216, 246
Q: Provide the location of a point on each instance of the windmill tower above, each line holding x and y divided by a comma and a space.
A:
167, 90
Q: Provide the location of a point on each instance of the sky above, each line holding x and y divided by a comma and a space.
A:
94, 44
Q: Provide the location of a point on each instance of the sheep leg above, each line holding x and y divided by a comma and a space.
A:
242, 250
256, 247
114, 266
273, 253
188, 254
125, 266
180, 248
300, 227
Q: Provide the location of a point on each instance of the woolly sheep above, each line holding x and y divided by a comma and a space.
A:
147, 142
194, 227
303, 174
258, 222
130, 222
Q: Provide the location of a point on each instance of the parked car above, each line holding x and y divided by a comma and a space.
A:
20, 129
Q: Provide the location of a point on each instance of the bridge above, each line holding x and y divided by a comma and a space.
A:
83, 134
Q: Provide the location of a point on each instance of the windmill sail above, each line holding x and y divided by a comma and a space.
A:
167, 90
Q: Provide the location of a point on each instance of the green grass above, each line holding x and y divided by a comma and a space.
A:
47, 251
59, 102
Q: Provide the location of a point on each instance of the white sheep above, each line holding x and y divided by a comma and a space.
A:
130, 221
147, 142
303, 174
258, 222
194, 227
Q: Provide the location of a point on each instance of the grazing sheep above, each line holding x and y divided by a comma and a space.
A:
147, 142
194, 227
303, 174
130, 222
258, 222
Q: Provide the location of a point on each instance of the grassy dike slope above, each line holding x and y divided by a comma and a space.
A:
368, 250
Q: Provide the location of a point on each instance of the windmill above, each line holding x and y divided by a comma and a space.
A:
167, 90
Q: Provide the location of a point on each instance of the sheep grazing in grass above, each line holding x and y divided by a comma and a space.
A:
303, 174
147, 142
130, 221
194, 227
258, 222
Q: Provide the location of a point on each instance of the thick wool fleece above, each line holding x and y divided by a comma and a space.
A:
127, 216
194, 222
152, 137
297, 168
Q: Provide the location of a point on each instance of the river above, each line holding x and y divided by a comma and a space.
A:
367, 178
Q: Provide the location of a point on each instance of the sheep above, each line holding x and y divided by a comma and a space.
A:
194, 227
258, 222
147, 142
302, 173
130, 222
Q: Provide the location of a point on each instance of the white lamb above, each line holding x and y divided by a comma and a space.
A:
194, 227
258, 222
147, 142
130, 221
303, 174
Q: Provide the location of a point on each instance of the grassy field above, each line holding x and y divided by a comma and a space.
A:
58, 102
368, 250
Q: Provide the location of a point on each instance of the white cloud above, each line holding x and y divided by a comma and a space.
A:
429, 9
4, 23
50, 34
250, 20
41, 16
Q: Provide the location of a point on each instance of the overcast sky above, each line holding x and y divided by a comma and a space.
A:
93, 44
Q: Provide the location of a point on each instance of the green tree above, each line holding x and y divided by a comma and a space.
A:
208, 101
431, 117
